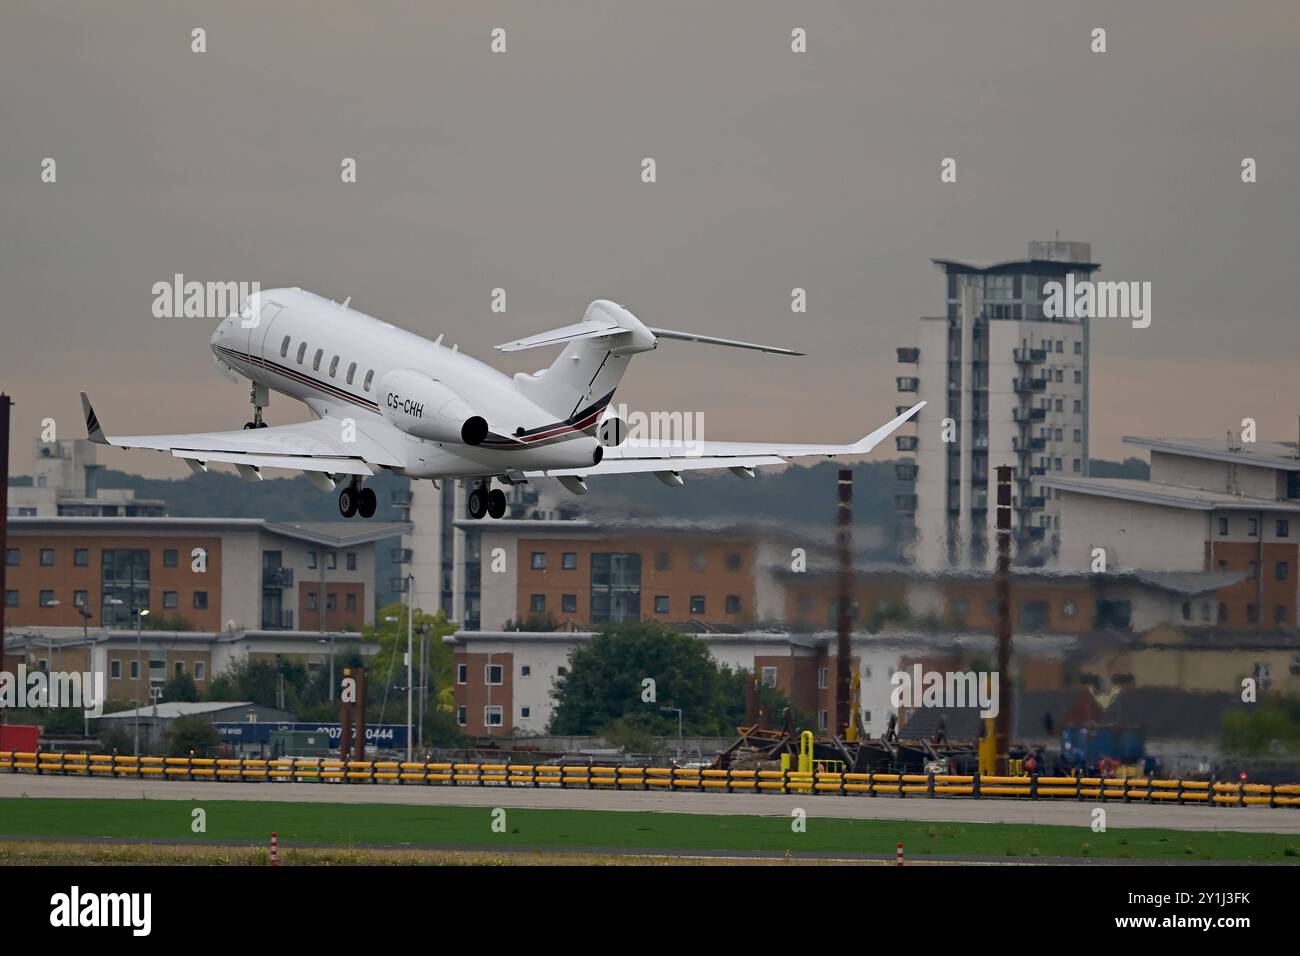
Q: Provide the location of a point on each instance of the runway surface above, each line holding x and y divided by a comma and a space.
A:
1061, 813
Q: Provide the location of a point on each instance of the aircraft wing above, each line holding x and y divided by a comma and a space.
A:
314, 447
667, 458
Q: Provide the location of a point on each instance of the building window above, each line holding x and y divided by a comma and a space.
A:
311, 600
768, 677
1283, 528
311, 559
615, 587
1223, 613
350, 602
1279, 615
47, 599
1059, 435
526, 671
1078, 377
823, 678
200, 600
331, 601
178, 668
200, 670
1252, 614
1060, 375
135, 670
79, 598
1205, 611
1078, 464
697, 603
537, 603
525, 712
170, 600
1113, 615
733, 560
1078, 434
47, 557
733, 604
11, 557
699, 561
331, 560
1033, 615
460, 715
823, 719
1078, 406
115, 670
1187, 611
1060, 404
11, 598
569, 603
492, 715
569, 562
1058, 464
662, 561
169, 558
538, 561
81, 557
1078, 348
493, 674
462, 673
352, 560
1280, 571
1252, 527
661, 603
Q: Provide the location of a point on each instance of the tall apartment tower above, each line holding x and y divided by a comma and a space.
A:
1014, 384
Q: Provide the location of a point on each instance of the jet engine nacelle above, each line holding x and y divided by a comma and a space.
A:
426, 408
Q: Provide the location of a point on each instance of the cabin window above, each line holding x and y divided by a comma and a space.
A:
315, 362
334, 365
352, 370
284, 347
302, 351
369, 377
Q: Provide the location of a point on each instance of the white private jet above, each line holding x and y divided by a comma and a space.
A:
387, 398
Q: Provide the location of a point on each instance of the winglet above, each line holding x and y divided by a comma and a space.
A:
884, 431
93, 431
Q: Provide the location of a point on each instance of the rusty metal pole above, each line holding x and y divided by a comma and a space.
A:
359, 714
4, 518
1002, 725
843, 680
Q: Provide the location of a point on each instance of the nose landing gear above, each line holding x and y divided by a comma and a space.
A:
354, 500
260, 397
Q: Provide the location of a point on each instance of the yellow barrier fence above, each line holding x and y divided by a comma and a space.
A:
932, 785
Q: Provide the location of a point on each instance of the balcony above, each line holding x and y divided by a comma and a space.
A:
1024, 356
1026, 415
400, 556
905, 503
398, 585
1038, 471
1036, 533
908, 383
909, 355
905, 442
283, 621
1037, 502
905, 471
1025, 446
1026, 385
277, 577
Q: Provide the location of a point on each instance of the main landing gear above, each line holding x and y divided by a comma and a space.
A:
483, 502
354, 500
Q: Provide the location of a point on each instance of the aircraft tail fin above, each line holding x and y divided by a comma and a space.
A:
93, 430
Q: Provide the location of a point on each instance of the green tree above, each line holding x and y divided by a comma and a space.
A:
604, 685
192, 732
386, 680
1269, 726
255, 681
181, 687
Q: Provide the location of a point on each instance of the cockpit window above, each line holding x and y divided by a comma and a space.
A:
369, 376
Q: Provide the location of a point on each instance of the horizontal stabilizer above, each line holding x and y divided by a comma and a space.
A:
713, 340
587, 329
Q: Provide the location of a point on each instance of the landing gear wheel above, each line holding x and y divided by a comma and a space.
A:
478, 503
348, 501
248, 425
496, 502
366, 503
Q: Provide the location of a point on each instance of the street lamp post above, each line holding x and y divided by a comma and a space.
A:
140, 615
410, 662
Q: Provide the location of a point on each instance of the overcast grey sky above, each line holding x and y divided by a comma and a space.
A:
522, 170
